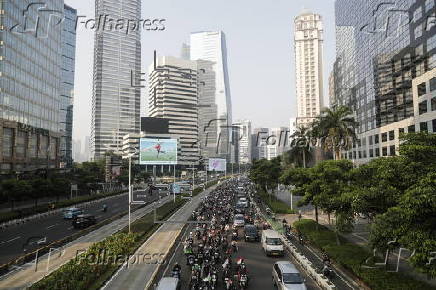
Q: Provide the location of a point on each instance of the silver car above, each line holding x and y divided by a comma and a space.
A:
239, 221
286, 276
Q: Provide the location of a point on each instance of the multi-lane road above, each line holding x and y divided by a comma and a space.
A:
18, 240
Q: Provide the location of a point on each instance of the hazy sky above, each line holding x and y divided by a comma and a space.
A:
259, 43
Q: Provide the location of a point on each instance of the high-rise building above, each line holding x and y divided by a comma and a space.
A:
259, 141
31, 83
215, 107
384, 70
185, 51
308, 46
244, 141
117, 69
68, 39
277, 142
173, 96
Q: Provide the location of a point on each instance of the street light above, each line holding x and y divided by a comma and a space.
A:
130, 181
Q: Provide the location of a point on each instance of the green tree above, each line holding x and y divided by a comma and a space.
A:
266, 173
301, 152
15, 190
40, 187
336, 128
412, 224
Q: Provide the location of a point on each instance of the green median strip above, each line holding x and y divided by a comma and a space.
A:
355, 259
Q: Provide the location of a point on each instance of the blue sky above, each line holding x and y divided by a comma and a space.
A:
260, 51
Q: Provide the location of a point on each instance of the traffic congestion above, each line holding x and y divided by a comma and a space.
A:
229, 245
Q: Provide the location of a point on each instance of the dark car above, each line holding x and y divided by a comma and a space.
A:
251, 233
83, 221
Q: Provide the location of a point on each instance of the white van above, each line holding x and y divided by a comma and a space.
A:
272, 243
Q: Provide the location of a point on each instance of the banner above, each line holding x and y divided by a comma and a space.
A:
217, 164
158, 151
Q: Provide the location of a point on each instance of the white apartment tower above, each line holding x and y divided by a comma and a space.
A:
244, 141
173, 95
308, 43
117, 60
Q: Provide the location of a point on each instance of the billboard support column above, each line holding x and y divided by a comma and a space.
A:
174, 183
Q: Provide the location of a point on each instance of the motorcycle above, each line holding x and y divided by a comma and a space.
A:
214, 280
243, 281
228, 283
176, 274
190, 260
234, 235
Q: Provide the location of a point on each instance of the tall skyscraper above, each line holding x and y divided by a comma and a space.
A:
215, 105
31, 85
384, 70
173, 95
244, 141
117, 65
68, 39
308, 44
277, 142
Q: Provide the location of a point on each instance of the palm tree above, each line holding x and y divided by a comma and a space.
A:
300, 152
335, 126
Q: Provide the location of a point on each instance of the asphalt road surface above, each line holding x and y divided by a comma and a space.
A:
13, 240
259, 266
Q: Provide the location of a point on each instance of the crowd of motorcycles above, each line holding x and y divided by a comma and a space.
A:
211, 248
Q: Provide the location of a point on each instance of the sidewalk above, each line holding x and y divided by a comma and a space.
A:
30, 273
139, 274
359, 236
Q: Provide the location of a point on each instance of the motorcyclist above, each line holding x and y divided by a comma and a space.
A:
104, 207
177, 269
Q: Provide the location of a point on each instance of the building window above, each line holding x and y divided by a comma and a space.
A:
400, 131
392, 150
411, 129
371, 153
377, 152
8, 138
370, 140
429, 4
421, 89
360, 154
418, 31
384, 137
364, 153
354, 154
385, 151
391, 135
433, 84
423, 107
423, 127
434, 125
431, 43
417, 14
376, 139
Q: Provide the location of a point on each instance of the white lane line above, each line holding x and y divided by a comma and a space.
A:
360, 237
11, 240
49, 227
70, 228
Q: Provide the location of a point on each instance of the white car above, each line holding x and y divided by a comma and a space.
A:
239, 221
285, 276
243, 202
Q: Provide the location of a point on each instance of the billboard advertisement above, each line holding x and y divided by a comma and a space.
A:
217, 164
158, 151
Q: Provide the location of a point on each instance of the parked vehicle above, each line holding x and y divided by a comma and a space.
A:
286, 276
72, 212
271, 243
83, 221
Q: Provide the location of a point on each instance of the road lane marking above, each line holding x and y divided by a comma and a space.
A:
49, 227
11, 240
70, 228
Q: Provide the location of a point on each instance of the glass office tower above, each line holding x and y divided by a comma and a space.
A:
381, 48
30, 84
68, 40
215, 104
117, 59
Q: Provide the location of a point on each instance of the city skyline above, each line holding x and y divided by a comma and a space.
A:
244, 56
